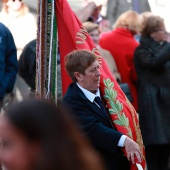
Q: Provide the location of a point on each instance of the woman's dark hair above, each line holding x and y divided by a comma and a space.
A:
62, 145
152, 24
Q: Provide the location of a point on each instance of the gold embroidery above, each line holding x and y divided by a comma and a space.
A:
98, 54
139, 139
81, 38
116, 109
81, 35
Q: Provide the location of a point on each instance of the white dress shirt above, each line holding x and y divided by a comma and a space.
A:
91, 96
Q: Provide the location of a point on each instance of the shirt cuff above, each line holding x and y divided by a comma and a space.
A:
122, 141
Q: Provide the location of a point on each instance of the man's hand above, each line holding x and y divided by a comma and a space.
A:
132, 150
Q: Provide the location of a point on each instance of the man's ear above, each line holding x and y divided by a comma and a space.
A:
78, 76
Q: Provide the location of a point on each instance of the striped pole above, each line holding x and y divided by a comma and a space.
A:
47, 45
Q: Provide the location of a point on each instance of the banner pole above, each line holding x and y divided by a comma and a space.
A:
46, 51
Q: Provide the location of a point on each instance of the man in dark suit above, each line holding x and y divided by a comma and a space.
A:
81, 97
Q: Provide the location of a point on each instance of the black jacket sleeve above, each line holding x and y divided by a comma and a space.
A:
153, 58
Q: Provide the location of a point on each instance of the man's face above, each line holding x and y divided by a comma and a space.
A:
91, 79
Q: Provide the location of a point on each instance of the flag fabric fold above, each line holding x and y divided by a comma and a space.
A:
72, 36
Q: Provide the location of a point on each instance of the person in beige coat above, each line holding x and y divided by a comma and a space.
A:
16, 16
93, 30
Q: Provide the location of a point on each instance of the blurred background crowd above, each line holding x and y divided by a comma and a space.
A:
109, 9
123, 31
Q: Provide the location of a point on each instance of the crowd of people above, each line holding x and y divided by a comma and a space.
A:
77, 133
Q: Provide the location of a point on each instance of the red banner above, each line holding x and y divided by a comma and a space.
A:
72, 36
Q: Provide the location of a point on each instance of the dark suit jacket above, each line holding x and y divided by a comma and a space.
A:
96, 125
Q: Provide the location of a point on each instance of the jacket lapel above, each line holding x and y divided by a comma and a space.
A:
96, 110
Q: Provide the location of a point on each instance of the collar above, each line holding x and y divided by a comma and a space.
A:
90, 96
123, 31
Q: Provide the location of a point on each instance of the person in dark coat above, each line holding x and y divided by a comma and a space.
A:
8, 62
152, 63
27, 64
83, 68
27, 69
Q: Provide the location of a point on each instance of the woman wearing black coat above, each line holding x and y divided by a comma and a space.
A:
152, 62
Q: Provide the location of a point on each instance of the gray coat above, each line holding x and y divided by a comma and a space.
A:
116, 7
152, 62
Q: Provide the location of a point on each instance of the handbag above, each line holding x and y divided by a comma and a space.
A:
125, 88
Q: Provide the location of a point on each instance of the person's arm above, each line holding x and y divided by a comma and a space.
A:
84, 13
131, 147
11, 63
99, 134
132, 150
153, 59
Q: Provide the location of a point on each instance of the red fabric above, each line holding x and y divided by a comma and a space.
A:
122, 45
73, 36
